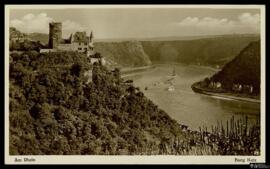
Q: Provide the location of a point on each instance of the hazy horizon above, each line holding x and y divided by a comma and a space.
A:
140, 23
189, 36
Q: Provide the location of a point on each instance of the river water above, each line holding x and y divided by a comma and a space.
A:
189, 108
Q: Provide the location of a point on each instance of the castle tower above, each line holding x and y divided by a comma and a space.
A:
71, 38
91, 50
55, 34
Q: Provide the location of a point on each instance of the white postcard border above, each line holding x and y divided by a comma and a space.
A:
125, 159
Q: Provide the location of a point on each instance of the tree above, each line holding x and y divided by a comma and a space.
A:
117, 75
76, 69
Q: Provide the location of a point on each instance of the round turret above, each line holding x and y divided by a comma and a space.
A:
55, 34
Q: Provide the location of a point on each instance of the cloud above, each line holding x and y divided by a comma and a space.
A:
245, 23
249, 20
207, 22
30, 23
69, 27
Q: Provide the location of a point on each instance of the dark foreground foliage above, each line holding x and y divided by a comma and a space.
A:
54, 111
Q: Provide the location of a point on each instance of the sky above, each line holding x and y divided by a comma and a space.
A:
118, 23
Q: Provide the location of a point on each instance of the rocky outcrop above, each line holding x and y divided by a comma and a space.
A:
129, 53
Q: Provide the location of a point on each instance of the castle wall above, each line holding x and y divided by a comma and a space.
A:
93, 60
68, 47
90, 52
47, 50
75, 46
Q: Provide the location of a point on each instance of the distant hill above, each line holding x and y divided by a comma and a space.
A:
15, 34
243, 69
217, 50
174, 38
19, 41
208, 51
42, 37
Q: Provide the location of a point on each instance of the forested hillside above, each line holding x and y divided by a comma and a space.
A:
206, 51
54, 111
243, 69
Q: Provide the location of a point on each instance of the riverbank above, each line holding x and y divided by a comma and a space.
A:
191, 65
126, 72
196, 88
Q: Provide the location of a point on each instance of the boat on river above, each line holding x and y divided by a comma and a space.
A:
173, 73
171, 88
170, 81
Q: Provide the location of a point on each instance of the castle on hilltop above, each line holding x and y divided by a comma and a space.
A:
79, 41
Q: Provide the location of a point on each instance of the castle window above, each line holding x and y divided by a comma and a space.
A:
85, 49
79, 43
85, 43
79, 48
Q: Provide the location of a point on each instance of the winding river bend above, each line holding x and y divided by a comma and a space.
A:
189, 108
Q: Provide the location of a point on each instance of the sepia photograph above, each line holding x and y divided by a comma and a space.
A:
134, 84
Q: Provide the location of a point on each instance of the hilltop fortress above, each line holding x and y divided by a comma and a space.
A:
79, 41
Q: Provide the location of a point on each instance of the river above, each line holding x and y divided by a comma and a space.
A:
189, 108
